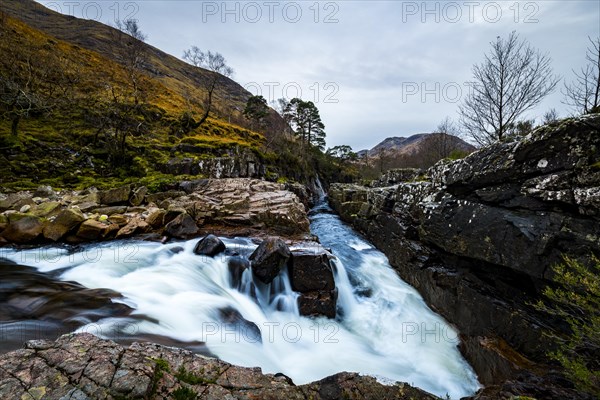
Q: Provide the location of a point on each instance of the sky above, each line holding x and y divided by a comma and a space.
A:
375, 69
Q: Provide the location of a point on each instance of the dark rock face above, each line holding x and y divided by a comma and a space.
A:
311, 274
84, 366
317, 303
34, 305
209, 246
269, 258
236, 266
311, 271
479, 239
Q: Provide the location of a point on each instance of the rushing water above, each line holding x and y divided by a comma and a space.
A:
383, 327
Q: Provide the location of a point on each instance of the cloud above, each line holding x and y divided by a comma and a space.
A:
372, 51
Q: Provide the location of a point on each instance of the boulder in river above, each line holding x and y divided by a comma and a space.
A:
236, 266
269, 258
209, 246
318, 303
311, 270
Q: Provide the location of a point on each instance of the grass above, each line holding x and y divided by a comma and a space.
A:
191, 377
58, 148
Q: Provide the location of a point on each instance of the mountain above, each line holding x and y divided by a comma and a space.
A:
416, 144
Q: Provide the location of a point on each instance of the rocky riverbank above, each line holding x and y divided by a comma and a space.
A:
477, 237
86, 367
236, 206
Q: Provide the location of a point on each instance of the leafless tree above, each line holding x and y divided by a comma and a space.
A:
443, 140
550, 116
133, 54
216, 64
513, 78
583, 94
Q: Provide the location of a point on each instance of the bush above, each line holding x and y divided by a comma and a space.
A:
577, 301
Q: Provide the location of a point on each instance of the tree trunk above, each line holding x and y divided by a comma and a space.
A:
15, 125
208, 105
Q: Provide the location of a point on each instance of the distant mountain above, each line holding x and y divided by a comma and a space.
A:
413, 145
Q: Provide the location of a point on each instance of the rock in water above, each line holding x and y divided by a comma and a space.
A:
210, 246
268, 259
317, 303
310, 271
237, 266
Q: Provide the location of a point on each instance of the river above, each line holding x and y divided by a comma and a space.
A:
383, 327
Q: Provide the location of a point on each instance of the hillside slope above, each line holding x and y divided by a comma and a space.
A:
72, 115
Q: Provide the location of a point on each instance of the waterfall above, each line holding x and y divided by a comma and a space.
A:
383, 327
320, 192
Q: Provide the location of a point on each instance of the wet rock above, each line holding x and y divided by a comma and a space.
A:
23, 230
118, 195
64, 222
138, 195
310, 271
236, 267
209, 246
269, 258
182, 227
248, 331
318, 303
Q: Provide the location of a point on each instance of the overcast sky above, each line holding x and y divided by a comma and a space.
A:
375, 69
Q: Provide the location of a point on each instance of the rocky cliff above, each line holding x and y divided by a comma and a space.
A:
478, 237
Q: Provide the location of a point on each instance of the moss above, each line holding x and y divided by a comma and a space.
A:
191, 377
184, 393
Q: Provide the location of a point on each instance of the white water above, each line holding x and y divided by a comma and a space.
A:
383, 327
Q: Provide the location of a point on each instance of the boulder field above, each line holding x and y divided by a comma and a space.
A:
241, 206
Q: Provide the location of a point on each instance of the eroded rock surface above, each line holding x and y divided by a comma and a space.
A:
86, 367
237, 206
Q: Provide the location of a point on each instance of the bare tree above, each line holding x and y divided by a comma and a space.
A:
550, 116
133, 54
513, 78
216, 64
442, 141
583, 94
